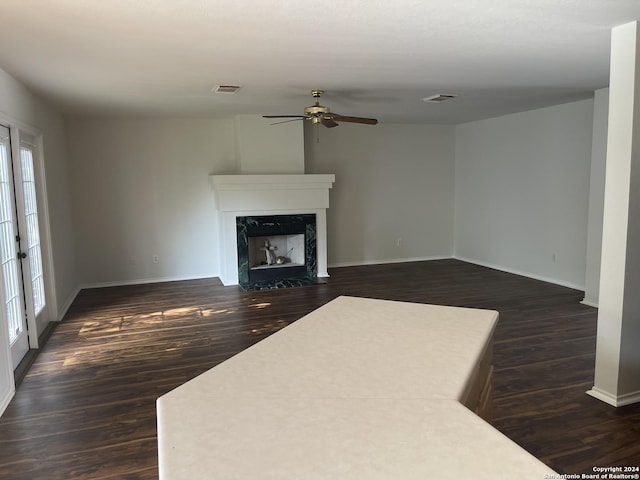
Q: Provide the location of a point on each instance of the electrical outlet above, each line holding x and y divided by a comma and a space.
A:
155, 259
398, 242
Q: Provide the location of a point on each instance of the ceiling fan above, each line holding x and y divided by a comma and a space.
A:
320, 114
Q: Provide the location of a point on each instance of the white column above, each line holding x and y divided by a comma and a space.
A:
617, 373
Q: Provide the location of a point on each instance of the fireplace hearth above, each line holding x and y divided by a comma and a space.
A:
276, 251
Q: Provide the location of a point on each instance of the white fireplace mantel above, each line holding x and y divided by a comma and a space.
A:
247, 195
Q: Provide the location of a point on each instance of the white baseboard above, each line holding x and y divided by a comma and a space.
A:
360, 263
67, 304
542, 278
614, 400
589, 302
142, 281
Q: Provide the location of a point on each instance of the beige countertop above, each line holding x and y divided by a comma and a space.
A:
357, 347
359, 388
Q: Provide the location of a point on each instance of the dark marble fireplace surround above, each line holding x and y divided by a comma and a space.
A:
254, 277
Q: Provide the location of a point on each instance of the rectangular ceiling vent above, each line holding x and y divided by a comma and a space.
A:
440, 97
231, 89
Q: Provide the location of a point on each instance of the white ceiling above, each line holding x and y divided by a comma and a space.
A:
375, 58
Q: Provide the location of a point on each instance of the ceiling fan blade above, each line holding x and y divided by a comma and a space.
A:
367, 121
287, 121
328, 122
284, 116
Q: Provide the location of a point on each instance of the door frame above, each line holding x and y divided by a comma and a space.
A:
50, 311
7, 381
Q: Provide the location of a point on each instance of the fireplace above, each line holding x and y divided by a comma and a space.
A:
296, 202
276, 251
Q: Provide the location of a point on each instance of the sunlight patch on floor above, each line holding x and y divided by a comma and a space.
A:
260, 305
115, 325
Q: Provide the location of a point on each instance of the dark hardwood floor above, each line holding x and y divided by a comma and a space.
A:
86, 408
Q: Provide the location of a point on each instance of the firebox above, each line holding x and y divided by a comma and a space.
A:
276, 251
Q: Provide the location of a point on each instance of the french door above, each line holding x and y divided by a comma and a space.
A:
21, 272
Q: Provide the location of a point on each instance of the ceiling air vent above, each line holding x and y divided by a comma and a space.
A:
226, 89
440, 97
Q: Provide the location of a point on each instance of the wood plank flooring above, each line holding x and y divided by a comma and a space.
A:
86, 408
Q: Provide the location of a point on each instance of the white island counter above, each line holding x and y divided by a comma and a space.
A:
357, 389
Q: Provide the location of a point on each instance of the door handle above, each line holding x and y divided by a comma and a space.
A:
22, 255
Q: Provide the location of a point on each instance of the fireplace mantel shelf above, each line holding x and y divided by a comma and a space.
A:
264, 182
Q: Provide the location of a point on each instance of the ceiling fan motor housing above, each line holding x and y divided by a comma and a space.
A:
316, 112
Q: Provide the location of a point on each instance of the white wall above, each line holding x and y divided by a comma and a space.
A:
392, 182
522, 192
265, 149
140, 188
596, 196
19, 103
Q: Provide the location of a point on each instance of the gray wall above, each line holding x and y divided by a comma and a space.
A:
516, 188
596, 196
522, 192
392, 182
140, 188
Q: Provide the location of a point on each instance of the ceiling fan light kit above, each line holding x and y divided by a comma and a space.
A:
319, 114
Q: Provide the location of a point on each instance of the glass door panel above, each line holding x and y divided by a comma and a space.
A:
32, 231
11, 275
